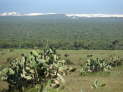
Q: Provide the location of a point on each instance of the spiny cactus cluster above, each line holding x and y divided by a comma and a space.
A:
95, 65
115, 61
97, 84
36, 68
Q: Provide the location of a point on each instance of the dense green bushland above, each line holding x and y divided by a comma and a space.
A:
61, 32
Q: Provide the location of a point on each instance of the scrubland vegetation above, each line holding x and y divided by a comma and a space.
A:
101, 81
61, 32
61, 54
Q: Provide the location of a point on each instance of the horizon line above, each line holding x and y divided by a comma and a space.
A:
13, 13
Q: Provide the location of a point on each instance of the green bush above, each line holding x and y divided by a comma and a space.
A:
95, 65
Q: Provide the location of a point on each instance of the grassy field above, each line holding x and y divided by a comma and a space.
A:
75, 82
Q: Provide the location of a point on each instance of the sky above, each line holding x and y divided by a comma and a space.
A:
62, 6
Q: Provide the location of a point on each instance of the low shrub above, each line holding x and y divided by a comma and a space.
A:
95, 65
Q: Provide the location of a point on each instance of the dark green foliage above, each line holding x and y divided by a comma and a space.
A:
61, 32
90, 55
66, 55
115, 61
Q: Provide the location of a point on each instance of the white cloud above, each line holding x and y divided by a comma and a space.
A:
26, 14
10, 14
38, 14
68, 15
94, 15
33, 14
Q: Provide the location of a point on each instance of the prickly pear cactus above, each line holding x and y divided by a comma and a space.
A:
95, 65
36, 68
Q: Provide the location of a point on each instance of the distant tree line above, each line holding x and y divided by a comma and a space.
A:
65, 44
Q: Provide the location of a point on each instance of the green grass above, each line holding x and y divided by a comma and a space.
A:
75, 82
49, 90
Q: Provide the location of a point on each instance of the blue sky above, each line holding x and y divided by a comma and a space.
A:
62, 6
